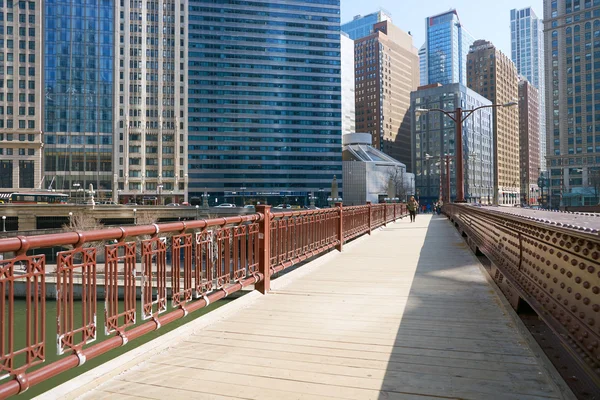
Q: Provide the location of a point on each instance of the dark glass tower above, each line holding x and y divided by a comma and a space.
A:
78, 101
264, 100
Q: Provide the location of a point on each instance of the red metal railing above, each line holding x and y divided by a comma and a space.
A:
209, 259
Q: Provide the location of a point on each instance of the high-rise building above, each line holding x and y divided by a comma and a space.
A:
264, 100
572, 68
423, 78
78, 104
348, 92
434, 137
387, 70
362, 26
527, 52
529, 141
494, 76
150, 123
447, 44
21, 95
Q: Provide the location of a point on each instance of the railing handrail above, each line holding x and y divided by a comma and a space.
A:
238, 251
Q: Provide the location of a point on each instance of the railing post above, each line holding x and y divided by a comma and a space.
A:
264, 249
370, 217
395, 206
340, 226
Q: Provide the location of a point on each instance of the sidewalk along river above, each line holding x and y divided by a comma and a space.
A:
20, 313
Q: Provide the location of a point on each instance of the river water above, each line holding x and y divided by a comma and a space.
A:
51, 356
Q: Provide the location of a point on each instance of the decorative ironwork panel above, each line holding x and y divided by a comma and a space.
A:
120, 273
22, 337
154, 277
240, 252
223, 262
253, 251
203, 267
182, 260
356, 221
75, 329
275, 242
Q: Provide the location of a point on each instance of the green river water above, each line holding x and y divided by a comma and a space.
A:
20, 315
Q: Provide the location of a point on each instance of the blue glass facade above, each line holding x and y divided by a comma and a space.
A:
78, 101
361, 26
447, 45
527, 52
264, 99
434, 135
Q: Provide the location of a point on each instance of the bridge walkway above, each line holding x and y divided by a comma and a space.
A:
407, 313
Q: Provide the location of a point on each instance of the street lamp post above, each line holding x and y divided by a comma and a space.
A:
458, 118
134, 216
70, 219
197, 208
4, 223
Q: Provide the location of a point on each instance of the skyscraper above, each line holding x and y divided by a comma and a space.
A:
446, 47
494, 76
527, 52
387, 70
21, 95
150, 147
362, 26
572, 43
78, 100
423, 77
434, 135
264, 100
348, 91
529, 141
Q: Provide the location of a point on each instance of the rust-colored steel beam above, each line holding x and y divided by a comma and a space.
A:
554, 269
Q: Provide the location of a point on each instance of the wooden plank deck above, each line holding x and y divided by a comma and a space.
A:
405, 314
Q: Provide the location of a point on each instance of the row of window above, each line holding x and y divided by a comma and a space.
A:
21, 137
22, 152
21, 124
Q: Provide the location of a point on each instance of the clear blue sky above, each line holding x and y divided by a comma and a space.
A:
484, 19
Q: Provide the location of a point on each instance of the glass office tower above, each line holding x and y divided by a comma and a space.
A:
362, 26
78, 100
527, 52
433, 138
446, 47
264, 100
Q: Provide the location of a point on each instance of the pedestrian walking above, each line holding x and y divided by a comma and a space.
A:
413, 206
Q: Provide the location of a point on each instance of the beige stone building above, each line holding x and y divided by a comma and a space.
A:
529, 141
386, 71
572, 60
21, 96
150, 122
494, 76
